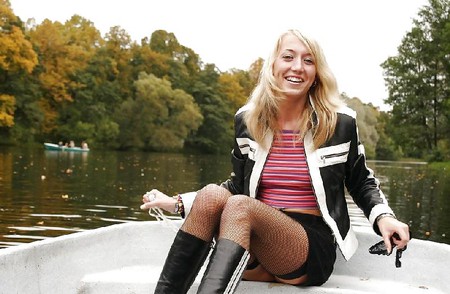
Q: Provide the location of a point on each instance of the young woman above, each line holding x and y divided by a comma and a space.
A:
283, 211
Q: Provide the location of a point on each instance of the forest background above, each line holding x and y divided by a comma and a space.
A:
64, 81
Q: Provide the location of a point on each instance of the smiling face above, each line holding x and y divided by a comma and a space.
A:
294, 68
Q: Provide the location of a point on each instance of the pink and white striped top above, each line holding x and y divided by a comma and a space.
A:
285, 180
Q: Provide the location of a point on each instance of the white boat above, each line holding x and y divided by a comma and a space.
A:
56, 147
127, 258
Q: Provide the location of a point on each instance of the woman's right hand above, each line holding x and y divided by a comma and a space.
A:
155, 198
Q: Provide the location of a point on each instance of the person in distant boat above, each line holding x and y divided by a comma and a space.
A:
84, 145
72, 144
283, 211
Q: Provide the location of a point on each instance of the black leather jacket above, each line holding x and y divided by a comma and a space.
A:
338, 164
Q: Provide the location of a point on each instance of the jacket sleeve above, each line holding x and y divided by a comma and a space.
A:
235, 184
362, 184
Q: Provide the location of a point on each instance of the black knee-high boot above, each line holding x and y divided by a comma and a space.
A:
185, 258
226, 266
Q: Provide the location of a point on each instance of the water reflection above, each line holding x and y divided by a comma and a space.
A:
42, 191
45, 194
418, 194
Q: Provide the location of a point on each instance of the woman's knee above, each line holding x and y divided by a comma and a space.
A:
239, 201
212, 190
237, 206
211, 197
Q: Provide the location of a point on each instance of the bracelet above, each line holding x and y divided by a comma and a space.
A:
383, 215
179, 206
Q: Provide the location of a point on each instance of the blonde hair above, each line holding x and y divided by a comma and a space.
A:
319, 115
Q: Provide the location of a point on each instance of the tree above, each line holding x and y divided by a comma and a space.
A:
418, 82
215, 135
7, 103
144, 59
385, 148
16, 52
160, 118
64, 50
184, 64
16, 58
118, 47
254, 71
105, 82
233, 92
367, 123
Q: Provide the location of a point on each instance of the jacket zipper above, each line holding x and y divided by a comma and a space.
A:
312, 184
247, 145
260, 174
324, 157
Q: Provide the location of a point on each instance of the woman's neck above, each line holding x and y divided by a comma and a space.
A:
289, 113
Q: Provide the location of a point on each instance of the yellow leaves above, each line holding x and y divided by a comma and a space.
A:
232, 89
56, 85
7, 105
6, 14
16, 52
64, 50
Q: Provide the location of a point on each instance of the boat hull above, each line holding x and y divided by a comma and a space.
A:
127, 258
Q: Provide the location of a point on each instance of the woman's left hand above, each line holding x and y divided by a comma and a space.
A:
388, 227
157, 199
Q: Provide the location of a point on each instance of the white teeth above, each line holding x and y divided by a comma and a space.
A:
294, 79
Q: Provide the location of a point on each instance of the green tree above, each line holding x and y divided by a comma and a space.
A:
118, 47
29, 113
184, 64
385, 148
144, 59
105, 82
160, 118
97, 100
418, 82
367, 123
215, 135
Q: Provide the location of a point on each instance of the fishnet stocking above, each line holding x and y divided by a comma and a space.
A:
276, 240
203, 220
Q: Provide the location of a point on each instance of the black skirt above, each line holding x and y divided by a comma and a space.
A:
322, 248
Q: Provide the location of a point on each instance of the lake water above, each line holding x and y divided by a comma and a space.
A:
45, 194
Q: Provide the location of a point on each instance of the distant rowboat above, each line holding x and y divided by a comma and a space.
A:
56, 147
